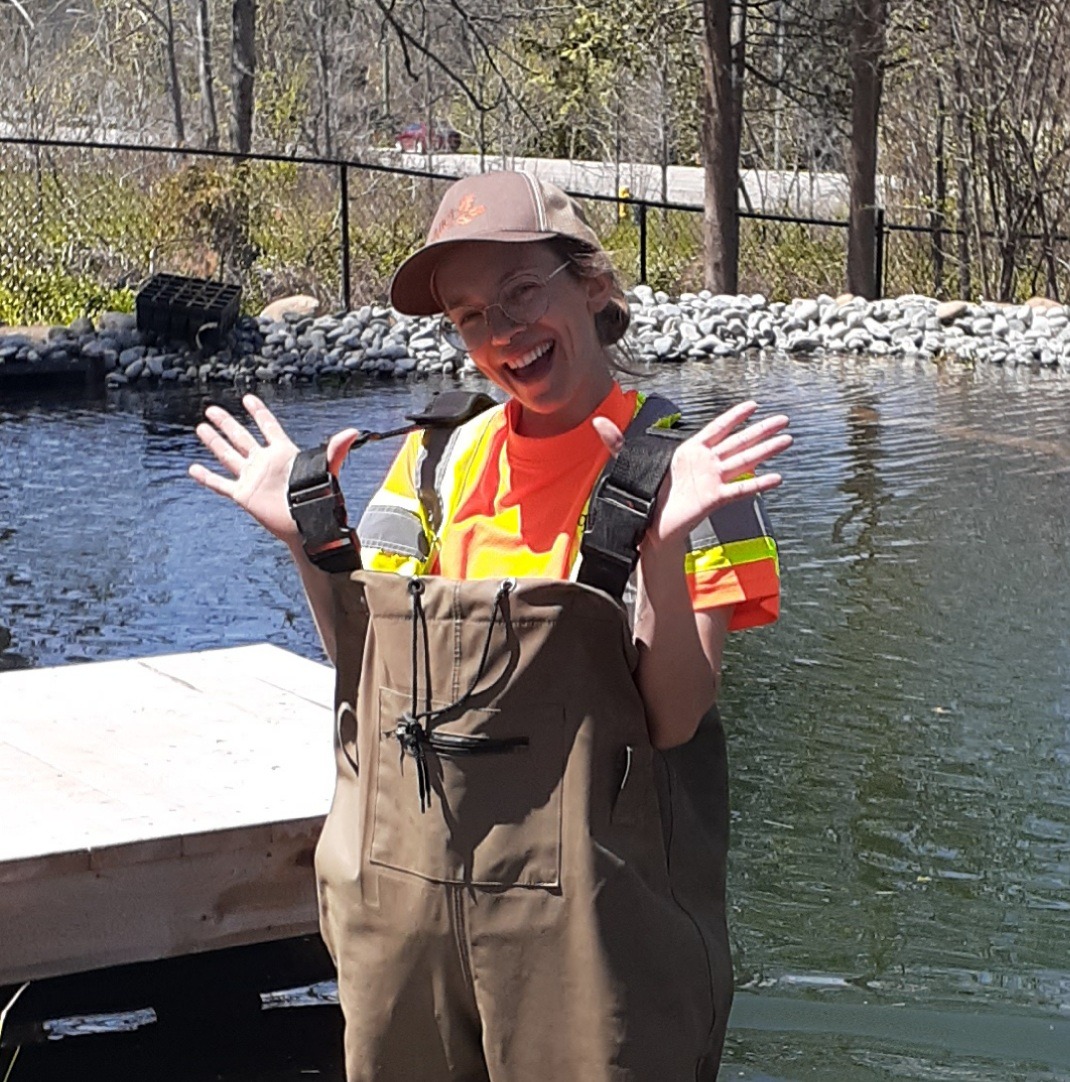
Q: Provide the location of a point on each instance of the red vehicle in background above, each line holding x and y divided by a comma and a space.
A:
413, 138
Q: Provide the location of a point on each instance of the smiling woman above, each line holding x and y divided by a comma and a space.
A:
501, 822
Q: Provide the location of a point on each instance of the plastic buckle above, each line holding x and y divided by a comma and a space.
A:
319, 510
614, 535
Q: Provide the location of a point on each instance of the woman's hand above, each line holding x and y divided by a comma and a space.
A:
708, 469
259, 472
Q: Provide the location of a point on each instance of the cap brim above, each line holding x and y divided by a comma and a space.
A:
410, 288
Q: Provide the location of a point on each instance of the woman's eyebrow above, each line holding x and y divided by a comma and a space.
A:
464, 301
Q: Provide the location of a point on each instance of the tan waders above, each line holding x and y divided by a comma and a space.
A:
514, 886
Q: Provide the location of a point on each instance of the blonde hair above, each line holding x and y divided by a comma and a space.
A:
612, 322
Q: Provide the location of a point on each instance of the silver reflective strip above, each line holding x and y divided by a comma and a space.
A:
393, 529
739, 521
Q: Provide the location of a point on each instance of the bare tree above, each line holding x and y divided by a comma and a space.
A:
206, 74
720, 149
243, 72
867, 57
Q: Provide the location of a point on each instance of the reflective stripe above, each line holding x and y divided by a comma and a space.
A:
737, 521
734, 554
395, 529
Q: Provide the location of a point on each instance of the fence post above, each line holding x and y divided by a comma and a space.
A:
642, 242
344, 208
878, 252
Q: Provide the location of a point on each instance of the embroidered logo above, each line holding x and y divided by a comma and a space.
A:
466, 212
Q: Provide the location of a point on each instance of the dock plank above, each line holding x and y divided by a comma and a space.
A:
159, 805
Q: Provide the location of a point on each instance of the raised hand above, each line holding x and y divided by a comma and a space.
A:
259, 472
708, 469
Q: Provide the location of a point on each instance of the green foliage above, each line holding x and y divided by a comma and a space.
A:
206, 211
282, 102
785, 260
673, 249
50, 295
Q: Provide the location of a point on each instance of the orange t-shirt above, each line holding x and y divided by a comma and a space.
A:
514, 505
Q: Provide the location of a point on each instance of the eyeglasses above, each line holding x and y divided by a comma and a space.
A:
524, 300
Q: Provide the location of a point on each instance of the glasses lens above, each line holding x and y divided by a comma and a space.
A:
448, 332
525, 301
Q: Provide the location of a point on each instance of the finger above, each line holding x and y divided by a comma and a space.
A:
226, 454
233, 430
749, 459
610, 434
752, 435
211, 480
338, 446
719, 428
750, 486
264, 419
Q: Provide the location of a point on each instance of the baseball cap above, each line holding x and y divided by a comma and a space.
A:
512, 207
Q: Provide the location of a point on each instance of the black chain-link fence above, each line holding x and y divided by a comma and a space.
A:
83, 225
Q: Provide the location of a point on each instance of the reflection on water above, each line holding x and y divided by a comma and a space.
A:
900, 741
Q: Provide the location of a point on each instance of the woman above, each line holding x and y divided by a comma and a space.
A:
513, 884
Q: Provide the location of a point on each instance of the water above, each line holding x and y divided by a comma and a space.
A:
900, 741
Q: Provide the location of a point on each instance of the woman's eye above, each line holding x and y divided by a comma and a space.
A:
468, 319
521, 291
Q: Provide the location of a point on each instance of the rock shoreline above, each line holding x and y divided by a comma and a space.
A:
300, 347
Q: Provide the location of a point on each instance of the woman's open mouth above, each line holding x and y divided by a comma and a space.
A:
532, 365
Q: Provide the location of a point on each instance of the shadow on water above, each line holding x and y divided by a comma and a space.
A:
899, 742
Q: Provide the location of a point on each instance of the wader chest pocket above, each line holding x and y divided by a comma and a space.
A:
494, 818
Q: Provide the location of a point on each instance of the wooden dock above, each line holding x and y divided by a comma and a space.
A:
159, 807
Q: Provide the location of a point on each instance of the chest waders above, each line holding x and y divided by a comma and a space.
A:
514, 886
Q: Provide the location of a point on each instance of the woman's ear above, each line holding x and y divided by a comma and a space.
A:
599, 292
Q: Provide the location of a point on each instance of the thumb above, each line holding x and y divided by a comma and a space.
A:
338, 447
610, 434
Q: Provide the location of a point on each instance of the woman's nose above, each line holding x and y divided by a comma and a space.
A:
501, 327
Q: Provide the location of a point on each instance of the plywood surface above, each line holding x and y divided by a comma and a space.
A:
156, 756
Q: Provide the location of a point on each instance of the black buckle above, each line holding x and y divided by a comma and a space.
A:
616, 536
318, 507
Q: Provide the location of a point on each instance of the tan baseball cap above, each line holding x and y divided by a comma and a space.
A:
499, 206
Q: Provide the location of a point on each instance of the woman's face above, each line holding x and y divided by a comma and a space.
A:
554, 367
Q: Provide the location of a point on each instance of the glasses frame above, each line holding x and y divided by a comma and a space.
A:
450, 333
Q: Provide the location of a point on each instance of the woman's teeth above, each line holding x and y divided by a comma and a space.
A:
528, 358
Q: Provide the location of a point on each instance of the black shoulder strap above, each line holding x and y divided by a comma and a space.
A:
315, 498
458, 407
622, 504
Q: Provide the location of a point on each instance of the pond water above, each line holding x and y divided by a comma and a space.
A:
900, 741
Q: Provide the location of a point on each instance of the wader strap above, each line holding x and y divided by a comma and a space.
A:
315, 498
436, 442
623, 501
319, 510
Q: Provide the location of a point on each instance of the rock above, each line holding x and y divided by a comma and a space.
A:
80, 326
300, 305
112, 322
949, 311
807, 311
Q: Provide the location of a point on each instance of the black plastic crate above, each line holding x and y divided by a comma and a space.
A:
173, 306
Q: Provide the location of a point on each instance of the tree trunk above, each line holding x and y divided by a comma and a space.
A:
174, 85
937, 214
243, 70
867, 47
962, 186
207, 77
720, 150
323, 70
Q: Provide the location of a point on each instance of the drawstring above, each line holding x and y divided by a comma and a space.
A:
415, 731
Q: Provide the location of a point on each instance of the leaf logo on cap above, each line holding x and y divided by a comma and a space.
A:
466, 212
